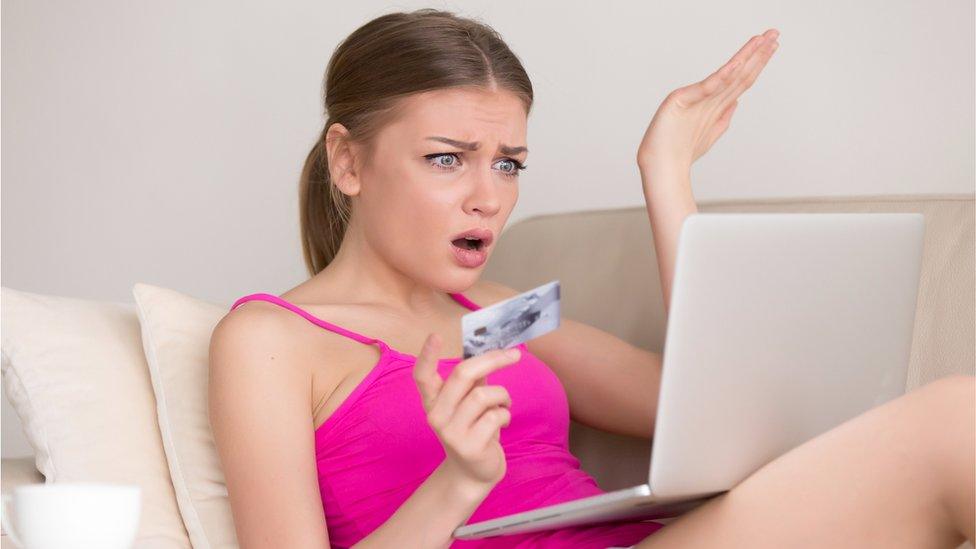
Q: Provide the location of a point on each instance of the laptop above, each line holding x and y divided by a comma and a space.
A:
781, 326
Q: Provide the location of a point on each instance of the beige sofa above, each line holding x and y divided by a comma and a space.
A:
607, 268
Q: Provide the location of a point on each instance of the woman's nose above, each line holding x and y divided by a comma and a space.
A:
485, 196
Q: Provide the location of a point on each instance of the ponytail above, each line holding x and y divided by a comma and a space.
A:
324, 209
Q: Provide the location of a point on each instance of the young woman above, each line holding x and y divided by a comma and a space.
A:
329, 431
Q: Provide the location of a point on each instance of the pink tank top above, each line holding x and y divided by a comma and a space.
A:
377, 447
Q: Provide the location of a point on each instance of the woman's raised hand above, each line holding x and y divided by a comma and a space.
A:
692, 118
466, 412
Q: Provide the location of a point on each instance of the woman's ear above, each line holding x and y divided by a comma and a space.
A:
342, 159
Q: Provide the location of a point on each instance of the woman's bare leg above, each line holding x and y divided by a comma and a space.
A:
898, 475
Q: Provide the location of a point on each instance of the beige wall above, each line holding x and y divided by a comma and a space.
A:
161, 141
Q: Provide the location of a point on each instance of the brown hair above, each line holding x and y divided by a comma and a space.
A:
389, 57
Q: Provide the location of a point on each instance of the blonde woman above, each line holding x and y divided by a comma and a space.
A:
330, 432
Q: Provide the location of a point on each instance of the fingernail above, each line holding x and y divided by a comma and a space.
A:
513, 353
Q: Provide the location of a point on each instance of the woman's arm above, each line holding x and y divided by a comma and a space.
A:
685, 126
667, 192
429, 516
260, 416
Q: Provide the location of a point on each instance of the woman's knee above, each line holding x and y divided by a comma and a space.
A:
949, 407
951, 398
961, 384
944, 417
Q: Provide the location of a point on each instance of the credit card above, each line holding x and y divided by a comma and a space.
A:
515, 320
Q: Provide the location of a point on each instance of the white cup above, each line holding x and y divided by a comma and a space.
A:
79, 515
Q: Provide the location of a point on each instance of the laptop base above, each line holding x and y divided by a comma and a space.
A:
627, 504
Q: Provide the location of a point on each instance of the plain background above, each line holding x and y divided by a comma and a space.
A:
161, 142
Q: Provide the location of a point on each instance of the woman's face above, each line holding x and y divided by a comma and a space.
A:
418, 191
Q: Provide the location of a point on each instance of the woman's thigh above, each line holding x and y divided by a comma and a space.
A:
886, 478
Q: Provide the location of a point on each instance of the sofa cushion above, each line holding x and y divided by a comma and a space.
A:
75, 373
176, 331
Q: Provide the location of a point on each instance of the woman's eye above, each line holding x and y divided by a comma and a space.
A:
511, 170
513, 167
451, 157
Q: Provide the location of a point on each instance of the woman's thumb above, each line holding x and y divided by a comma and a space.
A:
425, 369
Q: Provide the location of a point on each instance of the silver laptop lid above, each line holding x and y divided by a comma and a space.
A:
781, 326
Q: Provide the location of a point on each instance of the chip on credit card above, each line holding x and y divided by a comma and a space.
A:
515, 320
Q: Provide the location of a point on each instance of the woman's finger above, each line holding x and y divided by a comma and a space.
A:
744, 61
749, 72
722, 78
429, 381
487, 427
745, 76
477, 401
464, 377
750, 46
720, 125
719, 80
748, 51
727, 115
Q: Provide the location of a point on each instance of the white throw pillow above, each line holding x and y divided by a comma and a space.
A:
176, 331
75, 373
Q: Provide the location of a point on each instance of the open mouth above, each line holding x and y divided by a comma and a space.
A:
475, 244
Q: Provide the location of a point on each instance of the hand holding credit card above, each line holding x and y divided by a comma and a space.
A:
515, 320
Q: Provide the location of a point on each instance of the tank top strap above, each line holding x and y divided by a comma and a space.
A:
311, 318
465, 301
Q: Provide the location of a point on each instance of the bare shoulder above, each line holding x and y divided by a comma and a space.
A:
255, 328
488, 292
251, 321
315, 360
259, 414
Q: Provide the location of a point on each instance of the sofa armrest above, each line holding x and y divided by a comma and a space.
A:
16, 472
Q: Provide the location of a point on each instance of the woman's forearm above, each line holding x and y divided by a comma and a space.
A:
667, 192
428, 518
685, 126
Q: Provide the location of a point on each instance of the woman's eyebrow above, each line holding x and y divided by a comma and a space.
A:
505, 149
